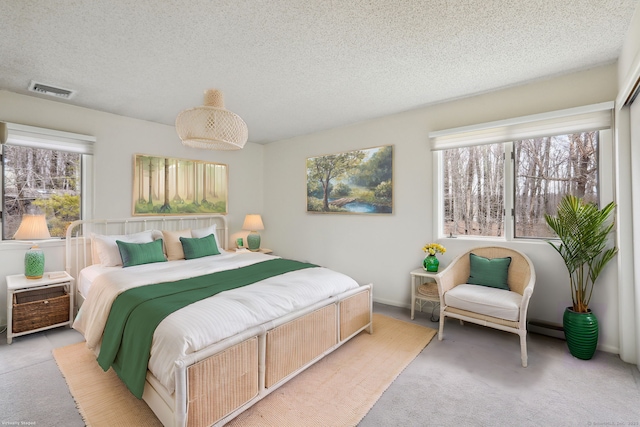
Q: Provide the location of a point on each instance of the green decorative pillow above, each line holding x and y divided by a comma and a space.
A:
489, 272
140, 253
199, 247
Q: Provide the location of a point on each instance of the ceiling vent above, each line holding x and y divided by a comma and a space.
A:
45, 89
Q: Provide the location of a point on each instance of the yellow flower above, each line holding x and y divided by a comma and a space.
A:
433, 248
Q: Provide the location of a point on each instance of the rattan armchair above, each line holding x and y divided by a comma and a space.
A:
505, 310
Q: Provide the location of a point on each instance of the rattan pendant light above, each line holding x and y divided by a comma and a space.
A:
211, 126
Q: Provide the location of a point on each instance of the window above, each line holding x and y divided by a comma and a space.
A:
44, 171
473, 190
546, 170
494, 185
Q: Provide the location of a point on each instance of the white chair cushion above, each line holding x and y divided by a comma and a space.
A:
492, 302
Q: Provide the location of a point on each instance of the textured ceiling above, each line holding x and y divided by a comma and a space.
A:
293, 67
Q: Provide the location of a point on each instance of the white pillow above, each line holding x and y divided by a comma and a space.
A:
204, 232
107, 249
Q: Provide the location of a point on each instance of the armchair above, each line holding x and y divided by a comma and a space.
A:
501, 309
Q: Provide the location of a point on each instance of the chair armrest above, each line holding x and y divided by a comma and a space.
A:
526, 296
452, 276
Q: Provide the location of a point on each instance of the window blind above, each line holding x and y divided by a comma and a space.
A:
561, 122
31, 136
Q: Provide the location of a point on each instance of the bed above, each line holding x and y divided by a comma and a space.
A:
265, 334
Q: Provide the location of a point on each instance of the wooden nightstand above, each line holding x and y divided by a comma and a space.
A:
424, 288
40, 304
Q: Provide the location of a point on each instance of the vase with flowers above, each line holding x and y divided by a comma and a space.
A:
431, 262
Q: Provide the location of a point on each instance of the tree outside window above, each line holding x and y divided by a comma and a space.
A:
544, 171
474, 190
42, 180
547, 169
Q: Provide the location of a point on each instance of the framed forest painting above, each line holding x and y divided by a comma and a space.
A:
169, 186
357, 182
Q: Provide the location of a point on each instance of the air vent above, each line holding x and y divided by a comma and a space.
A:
45, 89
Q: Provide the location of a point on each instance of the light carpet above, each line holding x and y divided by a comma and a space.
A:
337, 391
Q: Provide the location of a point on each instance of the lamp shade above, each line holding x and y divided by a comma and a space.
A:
211, 126
253, 222
32, 227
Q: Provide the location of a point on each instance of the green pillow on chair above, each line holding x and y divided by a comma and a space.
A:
491, 272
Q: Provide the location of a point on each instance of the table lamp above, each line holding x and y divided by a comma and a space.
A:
253, 223
33, 227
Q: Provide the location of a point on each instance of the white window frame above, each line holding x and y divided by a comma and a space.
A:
31, 136
572, 120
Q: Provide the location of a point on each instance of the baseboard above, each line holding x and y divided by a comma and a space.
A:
534, 326
556, 330
392, 303
543, 327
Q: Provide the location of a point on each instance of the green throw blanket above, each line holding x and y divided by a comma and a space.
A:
135, 314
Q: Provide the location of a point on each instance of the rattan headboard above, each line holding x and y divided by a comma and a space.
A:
78, 238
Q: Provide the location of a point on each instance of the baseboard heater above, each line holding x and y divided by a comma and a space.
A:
545, 328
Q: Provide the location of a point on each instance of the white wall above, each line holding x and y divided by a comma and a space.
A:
628, 196
383, 249
118, 139
630, 52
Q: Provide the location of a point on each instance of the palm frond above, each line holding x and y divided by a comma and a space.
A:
583, 230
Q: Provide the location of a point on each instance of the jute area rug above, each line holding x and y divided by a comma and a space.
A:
338, 390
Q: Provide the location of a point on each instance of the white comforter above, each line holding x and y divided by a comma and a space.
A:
213, 319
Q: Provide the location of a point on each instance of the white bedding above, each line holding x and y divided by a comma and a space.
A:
88, 275
190, 329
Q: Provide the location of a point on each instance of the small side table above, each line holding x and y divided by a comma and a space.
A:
261, 250
54, 289
424, 289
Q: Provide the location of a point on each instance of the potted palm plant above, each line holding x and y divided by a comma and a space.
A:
583, 231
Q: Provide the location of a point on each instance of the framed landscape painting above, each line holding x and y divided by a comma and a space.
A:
356, 182
168, 186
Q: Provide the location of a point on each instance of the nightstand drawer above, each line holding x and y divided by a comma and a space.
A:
40, 308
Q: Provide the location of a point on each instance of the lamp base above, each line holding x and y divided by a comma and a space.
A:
253, 241
34, 263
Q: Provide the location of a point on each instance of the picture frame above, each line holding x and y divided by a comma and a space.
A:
351, 182
172, 186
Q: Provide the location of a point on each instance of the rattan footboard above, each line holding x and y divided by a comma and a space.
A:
236, 369
215, 385
355, 311
296, 343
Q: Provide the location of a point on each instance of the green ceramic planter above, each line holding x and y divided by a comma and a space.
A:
253, 241
34, 263
431, 263
581, 333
